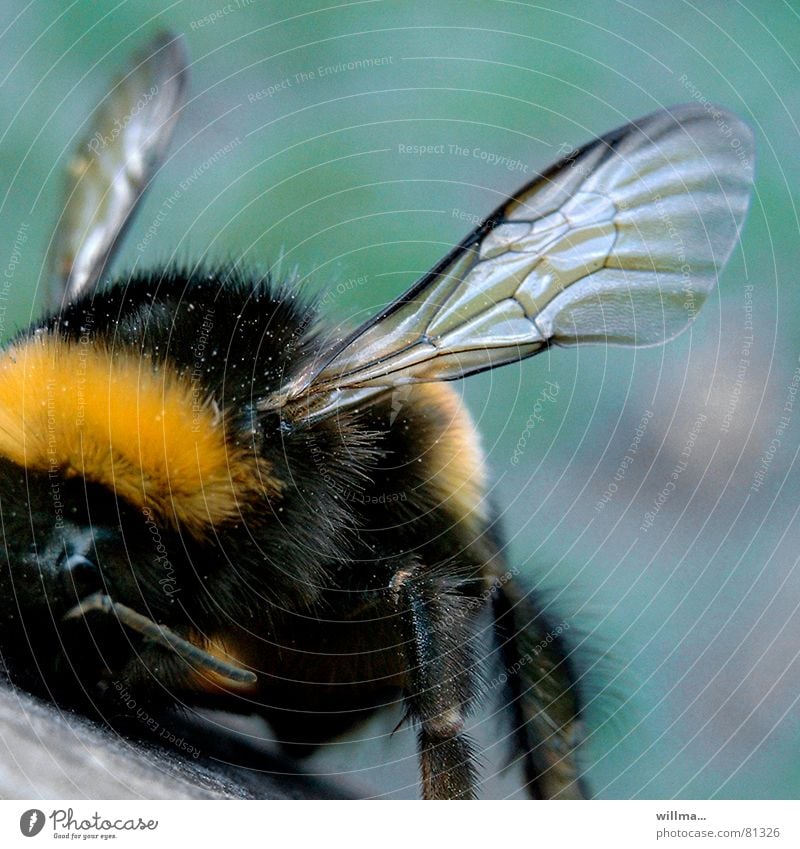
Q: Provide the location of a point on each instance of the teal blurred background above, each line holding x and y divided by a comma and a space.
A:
687, 628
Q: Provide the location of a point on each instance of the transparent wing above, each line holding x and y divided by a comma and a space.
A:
112, 166
619, 243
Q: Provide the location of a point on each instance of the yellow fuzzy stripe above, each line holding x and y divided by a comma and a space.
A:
454, 461
149, 435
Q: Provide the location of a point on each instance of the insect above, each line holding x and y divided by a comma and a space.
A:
209, 495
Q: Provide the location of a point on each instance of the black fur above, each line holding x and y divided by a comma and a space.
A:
354, 589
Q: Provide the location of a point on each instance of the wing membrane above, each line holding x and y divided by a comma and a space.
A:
112, 166
619, 243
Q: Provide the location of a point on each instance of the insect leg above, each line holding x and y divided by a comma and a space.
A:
440, 690
542, 696
161, 635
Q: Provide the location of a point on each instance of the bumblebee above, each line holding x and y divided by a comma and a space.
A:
209, 495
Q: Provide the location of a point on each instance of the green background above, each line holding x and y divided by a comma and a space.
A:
688, 631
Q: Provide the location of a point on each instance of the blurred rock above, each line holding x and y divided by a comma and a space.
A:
48, 753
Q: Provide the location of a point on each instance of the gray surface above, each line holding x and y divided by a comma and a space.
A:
52, 754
